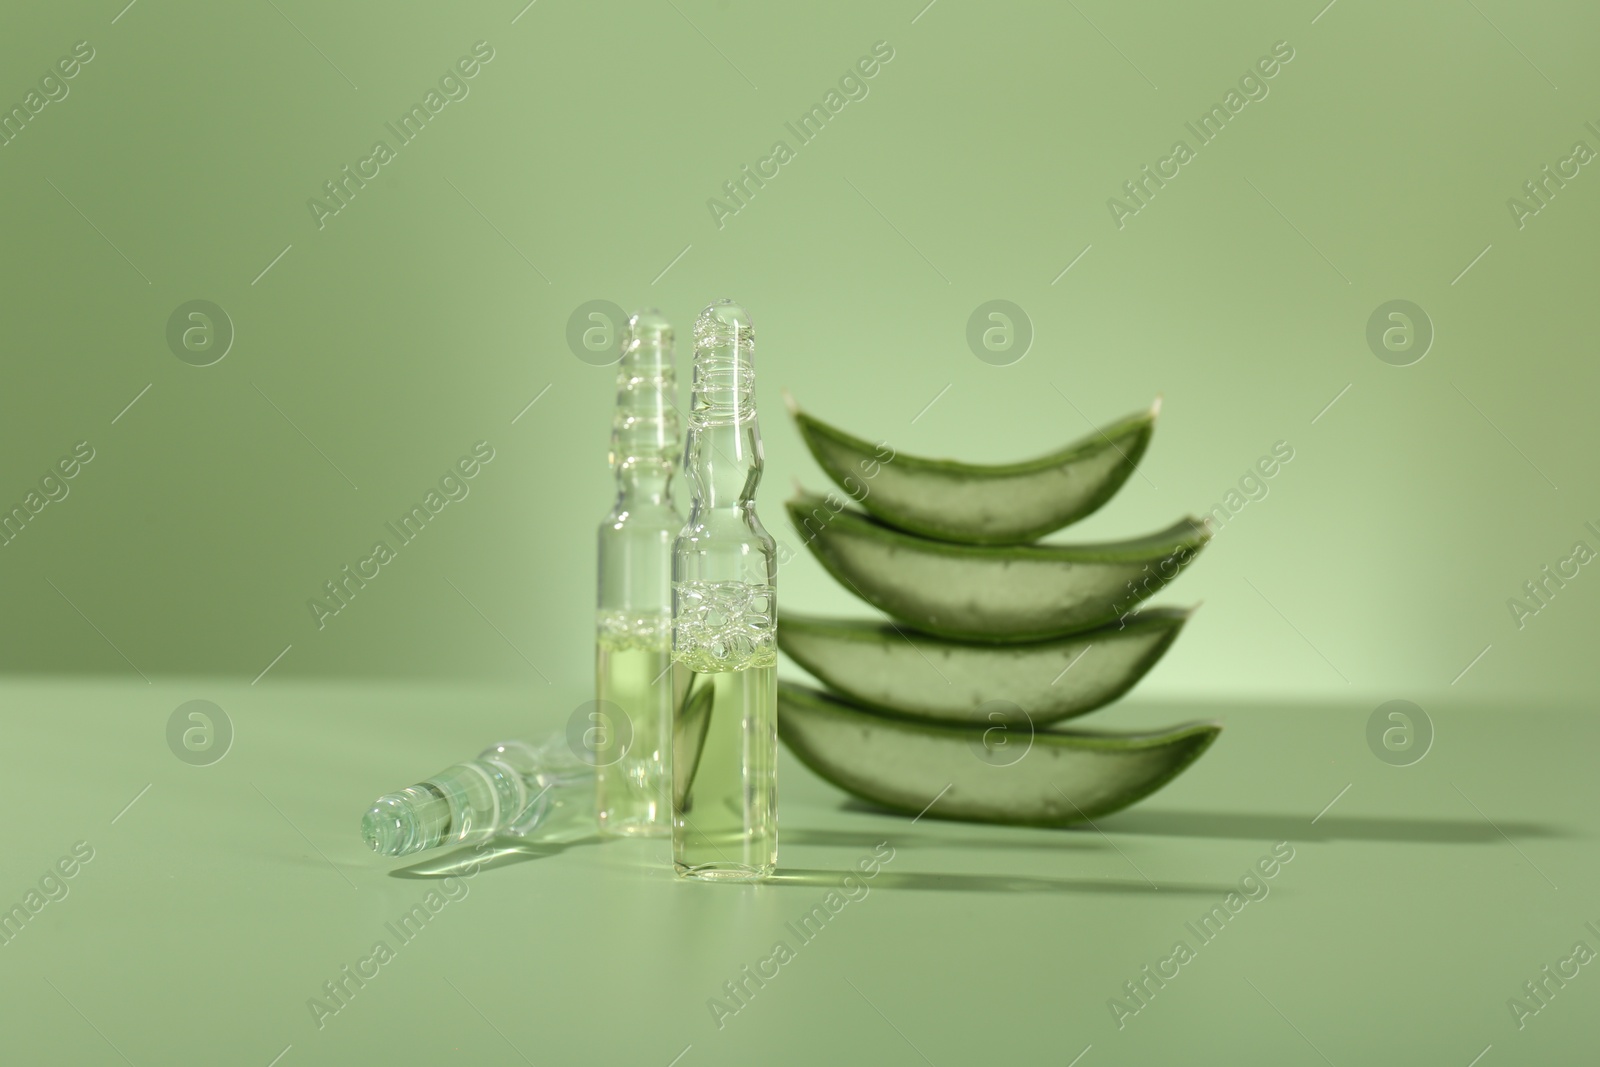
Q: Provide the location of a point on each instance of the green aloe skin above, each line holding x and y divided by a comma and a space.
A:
903, 672
1038, 778
1004, 504
991, 637
992, 592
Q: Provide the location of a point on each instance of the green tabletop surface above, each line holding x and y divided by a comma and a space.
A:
1413, 905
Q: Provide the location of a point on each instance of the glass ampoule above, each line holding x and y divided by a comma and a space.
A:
513, 789
724, 578
629, 737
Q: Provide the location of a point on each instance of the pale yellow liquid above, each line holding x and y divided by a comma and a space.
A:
634, 784
726, 824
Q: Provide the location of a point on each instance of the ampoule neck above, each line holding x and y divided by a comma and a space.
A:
641, 487
645, 430
724, 368
724, 451
647, 346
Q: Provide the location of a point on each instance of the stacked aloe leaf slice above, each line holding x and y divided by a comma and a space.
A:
952, 704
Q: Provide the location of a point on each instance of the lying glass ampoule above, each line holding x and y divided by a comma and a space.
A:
629, 738
512, 789
724, 578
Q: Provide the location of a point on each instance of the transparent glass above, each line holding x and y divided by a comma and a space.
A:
630, 741
513, 789
724, 584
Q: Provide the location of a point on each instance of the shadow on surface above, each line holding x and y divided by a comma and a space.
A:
932, 837
1248, 826
1259, 827
987, 883
501, 852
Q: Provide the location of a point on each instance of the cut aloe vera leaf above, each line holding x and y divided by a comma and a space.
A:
1053, 778
908, 673
992, 592
689, 736
1008, 503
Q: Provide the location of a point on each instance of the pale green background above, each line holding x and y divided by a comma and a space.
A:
977, 168
407, 329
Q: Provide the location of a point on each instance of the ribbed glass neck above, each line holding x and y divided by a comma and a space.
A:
645, 429
724, 384
724, 448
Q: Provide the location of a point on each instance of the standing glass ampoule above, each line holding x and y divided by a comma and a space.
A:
724, 578
634, 672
